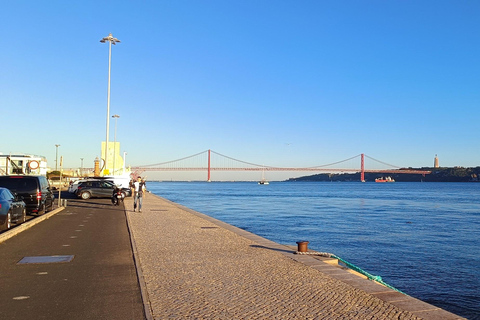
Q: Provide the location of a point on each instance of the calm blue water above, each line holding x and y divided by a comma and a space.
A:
422, 238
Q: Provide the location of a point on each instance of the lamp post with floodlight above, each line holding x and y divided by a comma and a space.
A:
124, 160
56, 156
111, 40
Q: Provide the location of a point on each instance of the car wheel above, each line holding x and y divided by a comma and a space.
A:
42, 210
24, 215
85, 195
8, 222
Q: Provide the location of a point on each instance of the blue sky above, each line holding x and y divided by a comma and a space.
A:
280, 83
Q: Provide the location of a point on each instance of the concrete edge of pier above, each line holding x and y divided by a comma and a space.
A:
141, 280
324, 265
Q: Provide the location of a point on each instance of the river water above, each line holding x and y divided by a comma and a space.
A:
422, 238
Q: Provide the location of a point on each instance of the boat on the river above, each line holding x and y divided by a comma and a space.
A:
384, 179
263, 181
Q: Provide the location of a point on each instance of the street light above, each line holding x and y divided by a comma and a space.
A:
124, 160
116, 116
81, 167
111, 40
56, 156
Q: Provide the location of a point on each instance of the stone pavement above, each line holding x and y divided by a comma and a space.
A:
192, 266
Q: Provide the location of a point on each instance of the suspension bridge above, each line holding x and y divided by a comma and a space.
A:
210, 161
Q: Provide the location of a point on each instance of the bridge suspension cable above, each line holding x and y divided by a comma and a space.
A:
272, 167
241, 161
334, 163
384, 163
172, 161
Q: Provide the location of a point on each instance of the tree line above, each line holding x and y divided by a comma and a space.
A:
443, 174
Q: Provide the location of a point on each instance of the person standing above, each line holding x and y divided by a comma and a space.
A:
138, 192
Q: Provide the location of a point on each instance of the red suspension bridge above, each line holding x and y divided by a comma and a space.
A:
213, 161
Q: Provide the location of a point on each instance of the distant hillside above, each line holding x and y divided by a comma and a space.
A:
455, 174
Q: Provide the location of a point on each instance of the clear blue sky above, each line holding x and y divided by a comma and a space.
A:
280, 83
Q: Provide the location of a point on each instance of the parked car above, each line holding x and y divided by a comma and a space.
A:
73, 186
35, 191
123, 183
98, 189
12, 209
56, 183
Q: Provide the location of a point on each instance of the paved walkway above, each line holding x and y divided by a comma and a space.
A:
192, 266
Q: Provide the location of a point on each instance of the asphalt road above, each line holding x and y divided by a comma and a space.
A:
100, 281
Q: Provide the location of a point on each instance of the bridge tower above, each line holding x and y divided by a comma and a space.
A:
208, 175
362, 168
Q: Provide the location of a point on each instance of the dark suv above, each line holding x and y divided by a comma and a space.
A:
98, 189
35, 191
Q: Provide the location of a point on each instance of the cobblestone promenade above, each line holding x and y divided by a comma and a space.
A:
192, 266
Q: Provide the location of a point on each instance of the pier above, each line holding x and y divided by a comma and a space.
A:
192, 266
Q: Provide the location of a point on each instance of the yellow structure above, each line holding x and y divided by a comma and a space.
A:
115, 164
96, 170
435, 162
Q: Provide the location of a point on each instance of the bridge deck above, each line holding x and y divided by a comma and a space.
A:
195, 267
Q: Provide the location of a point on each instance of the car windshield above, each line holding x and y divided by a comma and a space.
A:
6, 195
105, 184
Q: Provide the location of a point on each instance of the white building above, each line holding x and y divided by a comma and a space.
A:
23, 164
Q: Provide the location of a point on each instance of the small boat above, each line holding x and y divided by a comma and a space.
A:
386, 179
263, 181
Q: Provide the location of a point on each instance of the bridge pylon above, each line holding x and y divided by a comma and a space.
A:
362, 167
208, 171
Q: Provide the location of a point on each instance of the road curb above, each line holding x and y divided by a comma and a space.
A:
27, 225
147, 308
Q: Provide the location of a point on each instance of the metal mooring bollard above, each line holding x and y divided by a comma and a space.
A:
302, 246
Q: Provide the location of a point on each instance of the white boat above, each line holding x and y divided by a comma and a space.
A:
263, 181
382, 179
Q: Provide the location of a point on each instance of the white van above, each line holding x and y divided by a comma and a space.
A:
122, 182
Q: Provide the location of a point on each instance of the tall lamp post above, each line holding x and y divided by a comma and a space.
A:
124, 160
56, 156
111, 40
81, 167
116, 116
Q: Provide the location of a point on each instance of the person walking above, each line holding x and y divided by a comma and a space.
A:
138, 192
